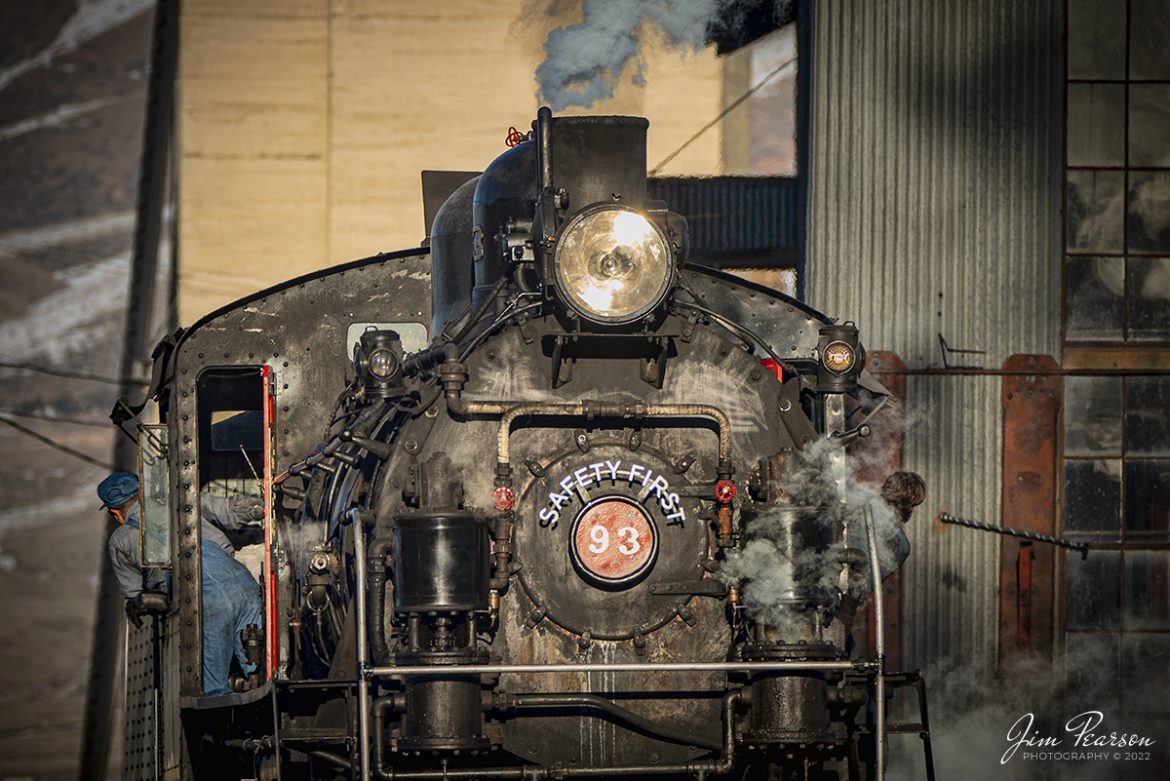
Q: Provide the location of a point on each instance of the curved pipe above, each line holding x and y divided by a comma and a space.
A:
635, 410
332, 758
508, 702
700, 769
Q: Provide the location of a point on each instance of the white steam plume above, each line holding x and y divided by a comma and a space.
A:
762, 564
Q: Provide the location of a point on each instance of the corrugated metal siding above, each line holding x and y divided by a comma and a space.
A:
935, 208
950, 593
730, 214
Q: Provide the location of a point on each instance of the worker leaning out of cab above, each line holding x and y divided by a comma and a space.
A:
231, 596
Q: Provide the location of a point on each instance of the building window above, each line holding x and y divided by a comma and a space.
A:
1117, 223
1116, 477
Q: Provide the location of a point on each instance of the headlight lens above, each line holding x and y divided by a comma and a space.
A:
613, 265
839, 357
383, 363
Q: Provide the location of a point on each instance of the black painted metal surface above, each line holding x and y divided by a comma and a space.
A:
300, 330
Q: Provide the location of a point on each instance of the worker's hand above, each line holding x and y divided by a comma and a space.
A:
135, 611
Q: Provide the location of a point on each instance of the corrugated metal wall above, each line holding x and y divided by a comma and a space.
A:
935, 208
733, 215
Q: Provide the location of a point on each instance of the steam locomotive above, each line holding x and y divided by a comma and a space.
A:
512, 483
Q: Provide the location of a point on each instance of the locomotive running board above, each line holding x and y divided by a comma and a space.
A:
622, 667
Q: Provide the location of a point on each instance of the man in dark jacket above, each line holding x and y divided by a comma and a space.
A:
901, 494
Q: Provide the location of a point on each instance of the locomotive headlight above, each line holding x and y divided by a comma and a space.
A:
383, 363
613, 265
377, 361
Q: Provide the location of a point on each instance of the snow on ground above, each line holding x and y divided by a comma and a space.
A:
58, 116
86, 309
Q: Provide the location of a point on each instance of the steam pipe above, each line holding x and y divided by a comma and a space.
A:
544, 147
381, 705
608, 409
508, 413
880, 649
359, 554
721, 766
507, 702
620, 667
377, 599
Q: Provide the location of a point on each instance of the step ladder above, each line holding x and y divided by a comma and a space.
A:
895, 681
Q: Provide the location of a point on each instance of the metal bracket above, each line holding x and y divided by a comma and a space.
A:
688, 588
654, 369
562, 367
947, 351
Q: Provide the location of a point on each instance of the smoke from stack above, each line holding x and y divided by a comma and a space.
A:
584, 62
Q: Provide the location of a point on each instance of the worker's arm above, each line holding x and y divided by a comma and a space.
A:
899, 547
126, 555
893, 547
230, 514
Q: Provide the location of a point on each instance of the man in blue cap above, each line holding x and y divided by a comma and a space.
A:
231, 596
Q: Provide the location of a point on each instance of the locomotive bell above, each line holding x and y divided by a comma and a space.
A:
378, 362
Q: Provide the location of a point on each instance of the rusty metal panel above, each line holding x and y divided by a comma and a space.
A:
1031, 415
935, 208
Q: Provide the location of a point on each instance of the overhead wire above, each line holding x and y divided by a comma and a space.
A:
54, 443
730, 107
55, 418
68, 374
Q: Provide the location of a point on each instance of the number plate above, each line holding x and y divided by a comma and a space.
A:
613, 541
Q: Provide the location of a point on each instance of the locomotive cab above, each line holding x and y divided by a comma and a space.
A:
542, 500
